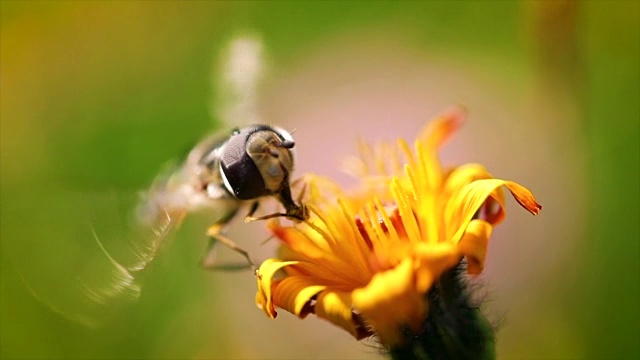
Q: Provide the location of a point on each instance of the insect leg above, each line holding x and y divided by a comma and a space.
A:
266, 217
249, 218
302, 192
252, 210
215, 235
293, 211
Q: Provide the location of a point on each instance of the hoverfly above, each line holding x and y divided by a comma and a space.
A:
248, 164
223, 173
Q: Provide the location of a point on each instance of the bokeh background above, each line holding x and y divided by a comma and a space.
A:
97, 96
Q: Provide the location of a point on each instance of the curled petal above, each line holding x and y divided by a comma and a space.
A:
524, 197
464, 175
264, 278
390, 302
295, 293
464, 203
473, 245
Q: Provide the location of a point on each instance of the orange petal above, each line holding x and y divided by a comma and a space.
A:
328, 274
300, 242
438, 131
524, 197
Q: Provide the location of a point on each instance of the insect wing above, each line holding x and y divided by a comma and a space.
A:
122, 233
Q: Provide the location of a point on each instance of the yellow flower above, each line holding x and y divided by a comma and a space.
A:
365, 260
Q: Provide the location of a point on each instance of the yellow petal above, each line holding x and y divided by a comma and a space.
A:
264, 278
464, 203
336, 307
429, 169
430, 139
294, 294
473, 245
431, 260
349, 233
464, 175
424, 193
345, 242
321, 188
329, 270
390, 301
406, 212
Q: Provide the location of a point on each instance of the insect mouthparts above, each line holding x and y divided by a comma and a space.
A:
287, 144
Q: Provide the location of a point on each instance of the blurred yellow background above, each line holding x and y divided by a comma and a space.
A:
97, 96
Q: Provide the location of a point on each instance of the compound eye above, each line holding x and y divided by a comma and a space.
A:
239, 172
257, 162
273, 158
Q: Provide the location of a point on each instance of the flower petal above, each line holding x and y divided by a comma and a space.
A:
524, 197
438, 130
366, 260
464, 203
473, 245
464, 175
406, 212
294, 294
301, 242
390, 302
326, 275
432, 137
431, 260
336, 307
264, 279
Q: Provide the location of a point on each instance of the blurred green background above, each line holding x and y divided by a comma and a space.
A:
97, 96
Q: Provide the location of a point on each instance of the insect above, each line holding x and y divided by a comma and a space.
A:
223, 174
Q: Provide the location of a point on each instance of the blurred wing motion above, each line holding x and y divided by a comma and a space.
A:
175, 193
129, 236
